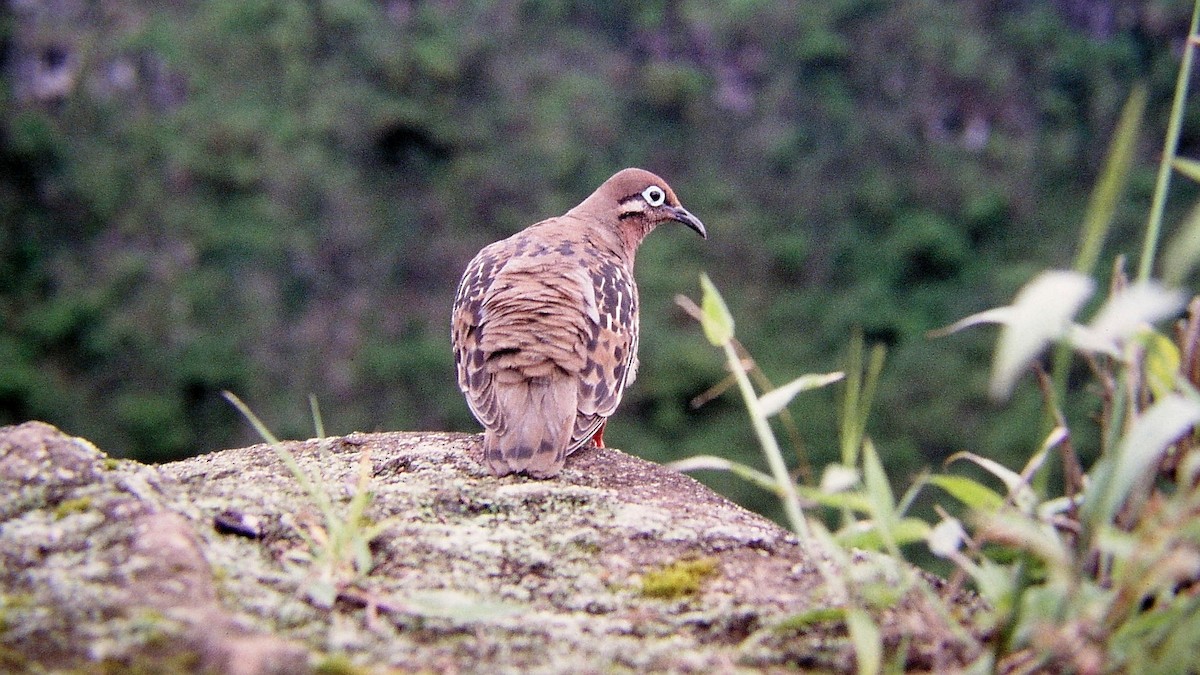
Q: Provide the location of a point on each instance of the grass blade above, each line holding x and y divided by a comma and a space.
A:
1151, 434
1102, 207
1170, 148
774, 401
867, 640
318, 422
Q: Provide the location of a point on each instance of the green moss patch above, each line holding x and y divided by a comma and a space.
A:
678, 579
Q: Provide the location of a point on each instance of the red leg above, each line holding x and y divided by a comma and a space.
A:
598, 437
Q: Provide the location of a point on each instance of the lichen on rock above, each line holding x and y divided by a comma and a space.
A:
209, 563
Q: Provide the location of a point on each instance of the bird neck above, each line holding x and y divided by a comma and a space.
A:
632, 231
621, 239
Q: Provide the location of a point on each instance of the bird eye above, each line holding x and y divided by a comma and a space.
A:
654, 195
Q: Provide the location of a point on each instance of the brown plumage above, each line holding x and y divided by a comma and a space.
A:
545, 324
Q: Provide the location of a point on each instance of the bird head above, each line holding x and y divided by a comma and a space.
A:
634, 202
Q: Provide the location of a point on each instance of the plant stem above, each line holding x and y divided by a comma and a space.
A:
787, 489
1170, 147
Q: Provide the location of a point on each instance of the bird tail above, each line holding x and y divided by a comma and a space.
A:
540, 416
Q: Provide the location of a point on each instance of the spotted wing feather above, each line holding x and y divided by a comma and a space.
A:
612, 349
544, 340
467, 320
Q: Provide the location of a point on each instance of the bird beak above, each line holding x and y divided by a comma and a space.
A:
682, 215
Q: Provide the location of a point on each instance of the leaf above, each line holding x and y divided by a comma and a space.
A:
318, 421
1041, 313
867, 640
946, 537
855, 501
1141, 447
879, 490
1187, 167
1011, 479
971, 493
838, 478
1163, 641
1130, 309
700, 463
713, 463
777, 399
858, 396
867, 534
1050, 508
1161, 363
1182, 253
1001, 315
1053, 439
1084, 339
1102, 206
994, 581
1019, 531
812, 617
714, 314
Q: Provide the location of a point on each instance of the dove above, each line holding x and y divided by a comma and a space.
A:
545, 324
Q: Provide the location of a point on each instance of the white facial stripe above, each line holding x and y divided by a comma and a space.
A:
632, 207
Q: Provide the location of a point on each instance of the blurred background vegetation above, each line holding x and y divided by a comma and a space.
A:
278, 197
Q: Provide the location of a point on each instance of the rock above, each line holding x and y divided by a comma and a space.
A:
97, 567
226, 563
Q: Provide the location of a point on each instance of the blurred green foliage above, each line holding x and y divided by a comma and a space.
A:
277, 198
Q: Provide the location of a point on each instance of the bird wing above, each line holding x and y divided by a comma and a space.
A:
546, 314
612, 348
467, 319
